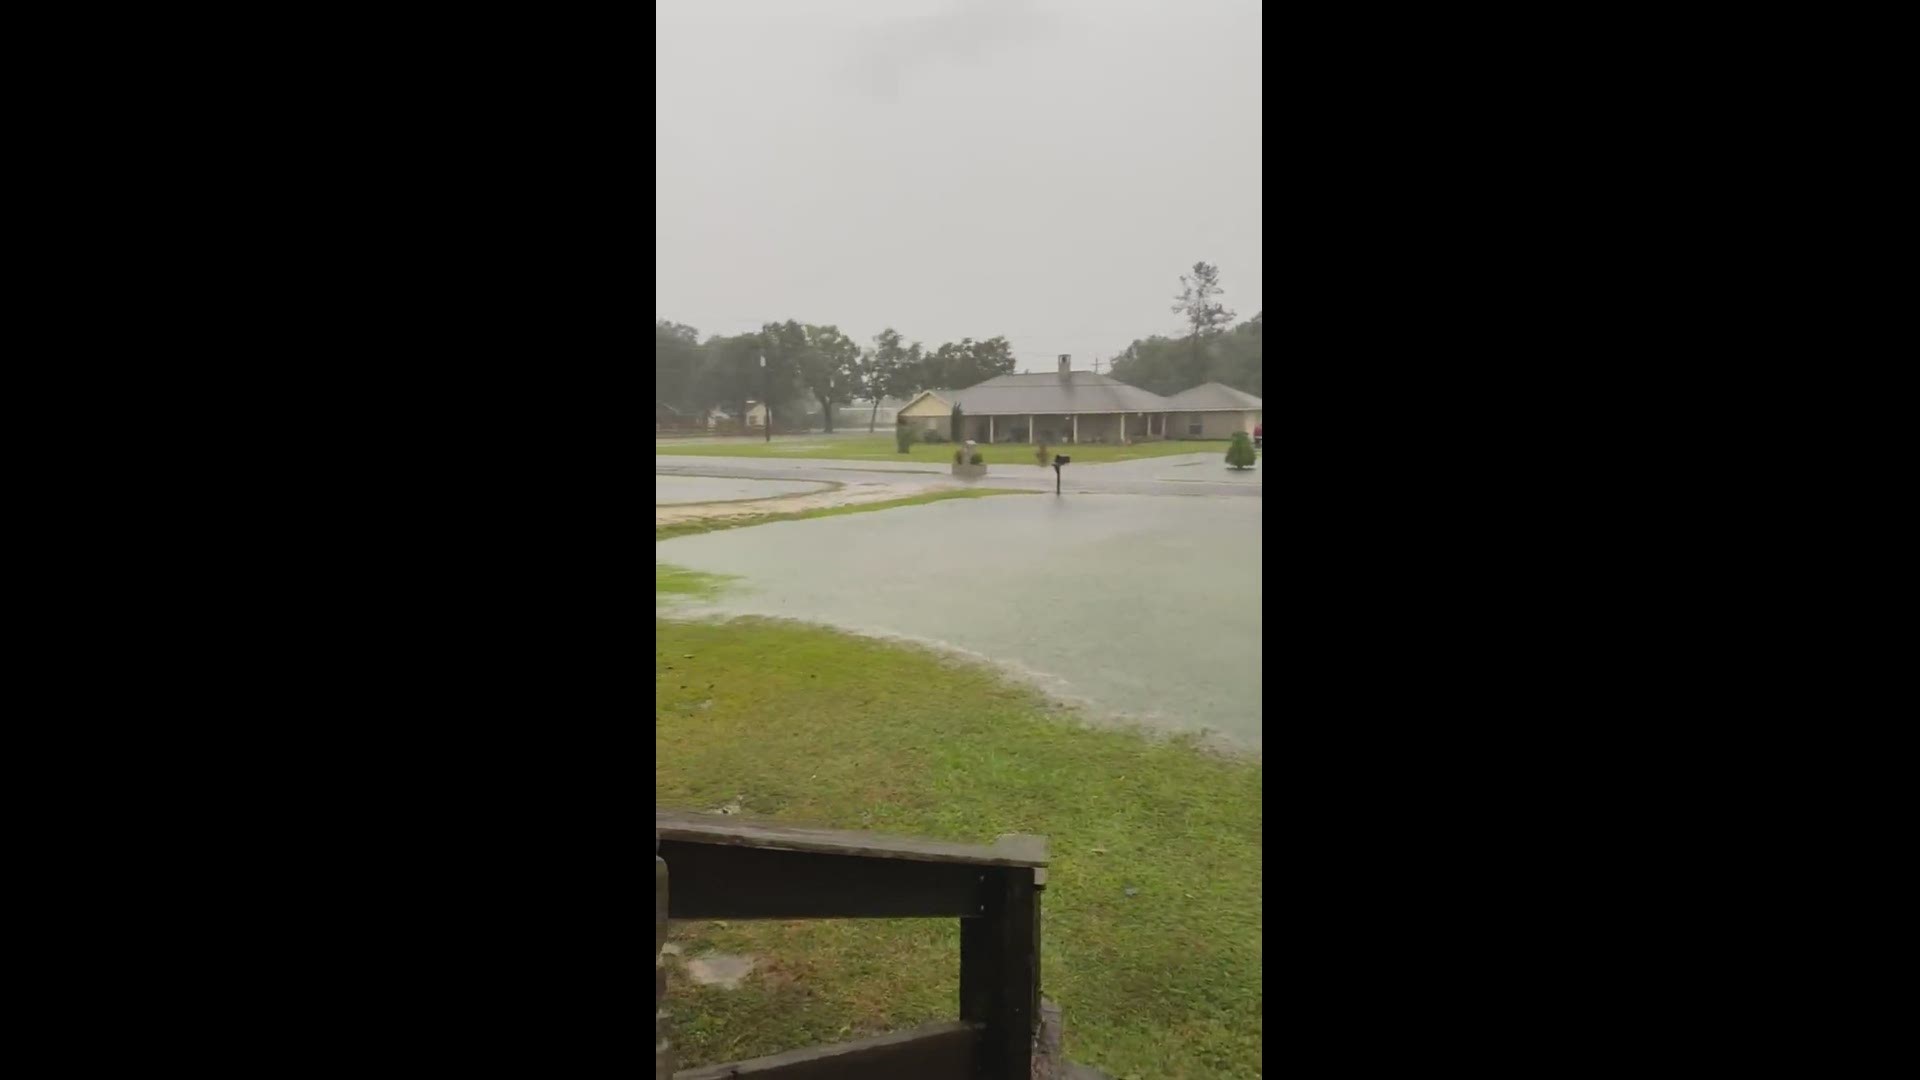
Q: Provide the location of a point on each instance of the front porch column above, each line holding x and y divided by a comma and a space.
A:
1076, 429
989, 431
1123, 429
1029, 429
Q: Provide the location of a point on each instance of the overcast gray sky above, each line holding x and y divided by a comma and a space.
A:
1040, 169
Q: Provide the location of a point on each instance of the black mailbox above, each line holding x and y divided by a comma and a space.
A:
1061, 459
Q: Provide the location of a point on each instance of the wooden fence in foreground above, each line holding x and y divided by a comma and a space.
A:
708, 867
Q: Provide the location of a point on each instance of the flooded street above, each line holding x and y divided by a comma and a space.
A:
1138, 607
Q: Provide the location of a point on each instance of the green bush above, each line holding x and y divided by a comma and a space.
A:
1240, 450
902, 436
957, 455
979, 458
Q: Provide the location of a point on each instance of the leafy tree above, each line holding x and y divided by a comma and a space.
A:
902, 435
993, 356
829, 368
785, 346
885, 371
966, 362
1205, 316
913, 367
730, 373
676, 363
1162, 364
1240, 450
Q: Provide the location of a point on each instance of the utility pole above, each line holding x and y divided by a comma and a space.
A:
766, 398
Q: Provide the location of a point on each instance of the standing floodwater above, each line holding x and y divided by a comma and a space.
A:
1145, 607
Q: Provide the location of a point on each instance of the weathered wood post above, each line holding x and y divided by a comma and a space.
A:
662, 1041
1000, 962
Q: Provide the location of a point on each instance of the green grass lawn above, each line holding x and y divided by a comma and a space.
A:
880, 448
1152, 926
703, 525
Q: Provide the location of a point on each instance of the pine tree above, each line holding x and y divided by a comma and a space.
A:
957, 427
1205, 316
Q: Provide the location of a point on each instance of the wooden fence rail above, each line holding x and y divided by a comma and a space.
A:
709, 867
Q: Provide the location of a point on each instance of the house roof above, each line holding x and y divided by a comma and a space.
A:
1049, 393
1213, 397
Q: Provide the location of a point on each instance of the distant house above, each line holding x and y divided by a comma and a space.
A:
757, 415
860, 411
718, 418
1213, 411
1067, 406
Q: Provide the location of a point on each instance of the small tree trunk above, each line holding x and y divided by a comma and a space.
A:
873, 418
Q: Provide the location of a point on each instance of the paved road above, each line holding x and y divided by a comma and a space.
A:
1185, 474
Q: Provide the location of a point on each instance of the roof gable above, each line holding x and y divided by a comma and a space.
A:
1213, 396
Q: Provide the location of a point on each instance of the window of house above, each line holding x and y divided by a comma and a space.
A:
1193, 427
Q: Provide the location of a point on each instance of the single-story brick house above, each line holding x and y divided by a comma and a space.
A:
1068, 406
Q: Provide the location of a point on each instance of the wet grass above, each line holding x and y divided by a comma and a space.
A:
1152, 914
678, 581
705, 525
880, 448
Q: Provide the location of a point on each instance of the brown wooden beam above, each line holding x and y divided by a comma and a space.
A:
946, 1051
1009, 850
721, 881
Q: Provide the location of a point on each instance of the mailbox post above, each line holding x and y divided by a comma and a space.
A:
1059, 460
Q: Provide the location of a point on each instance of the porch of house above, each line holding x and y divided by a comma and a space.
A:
1065, 430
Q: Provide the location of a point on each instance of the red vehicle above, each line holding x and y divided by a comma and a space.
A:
1256, 435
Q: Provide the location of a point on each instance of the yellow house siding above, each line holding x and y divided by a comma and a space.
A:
927, 406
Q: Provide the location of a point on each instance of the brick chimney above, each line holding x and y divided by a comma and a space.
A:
1066, 366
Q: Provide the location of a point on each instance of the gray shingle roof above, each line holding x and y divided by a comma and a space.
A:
1213, 396
1047, 393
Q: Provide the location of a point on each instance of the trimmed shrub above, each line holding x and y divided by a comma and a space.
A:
1040, 455
957, 425
979, 458
957, 456
902, 436
1240, 450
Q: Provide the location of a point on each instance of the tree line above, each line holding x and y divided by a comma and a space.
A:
807, 367
1212, 349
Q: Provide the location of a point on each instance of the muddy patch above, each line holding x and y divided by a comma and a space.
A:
723, 970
